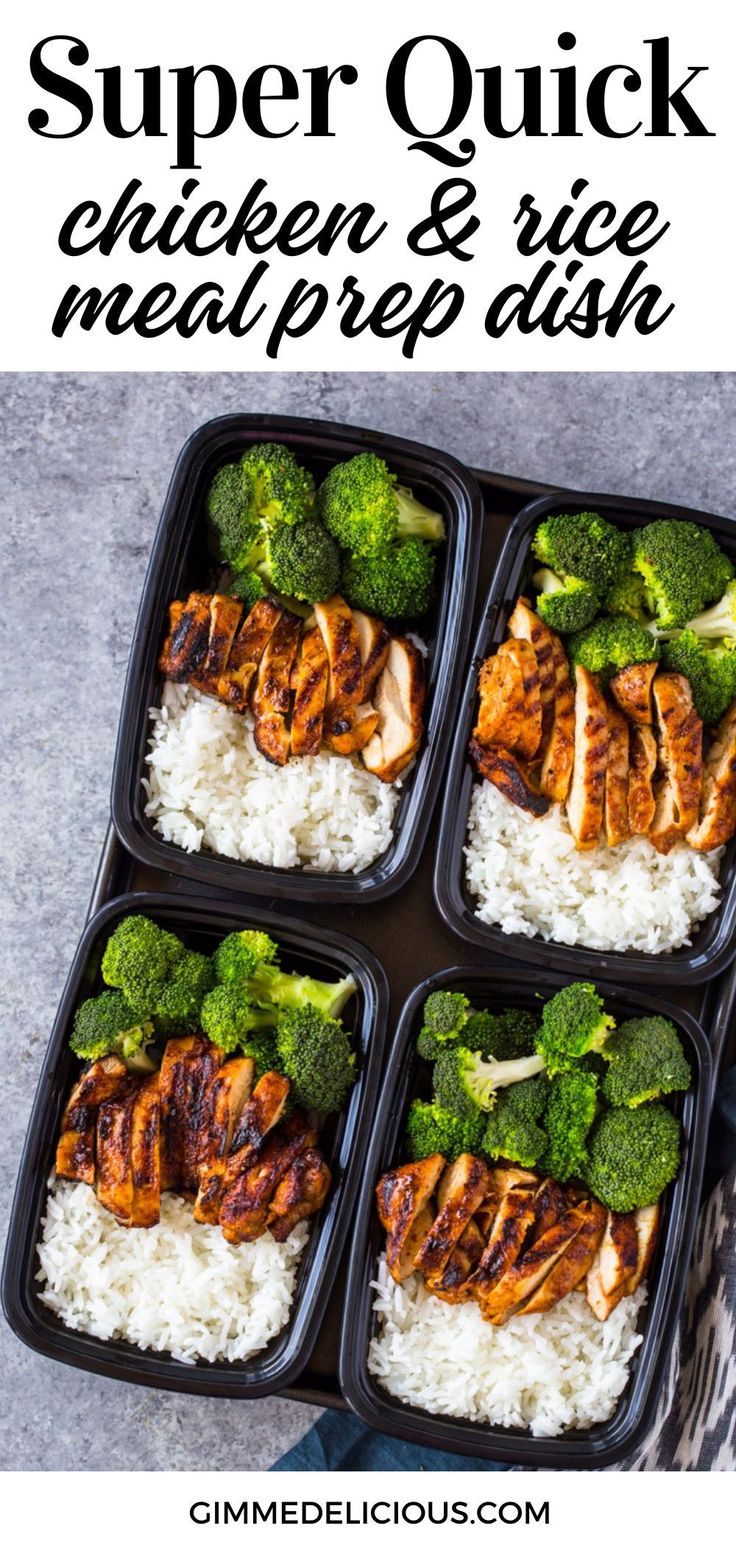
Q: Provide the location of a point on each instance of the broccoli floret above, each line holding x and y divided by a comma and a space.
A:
610, 644
565, 604
571, 1111
510, 1034
445, 1013
719, 622
107, 1025
397, 583
249, 960
513, 1130
249, 588
228, 1017
632, 1156
139, 958
192, 978
239, 956
584, 546
465, 1082
627, 597
301, 561
231, 513
573, 1023
361, 504
316, 1056
431, 1129
282, 491
710, 670
647, 1061
683, 569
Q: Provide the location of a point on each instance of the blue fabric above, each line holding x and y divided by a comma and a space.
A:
339, 1441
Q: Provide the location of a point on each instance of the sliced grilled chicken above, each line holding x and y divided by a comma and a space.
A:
530, 729
235, 682
642, 767
509, 1177
75, 1152
164, 660
310, 694
680, 761
511, 1225
402, 1198
348, 730
172, 1095
341, 639
225, 1097
301, 1193
632, 691
524, 623
550, 1204
613, 1264
510, 706
573, 1264
460, 1192
399, 700
145, 1209
451, 1283
114, 1168
186, 649
717, 818
554, 778
500, 767
245, 1203
225, 617
258, 1117
646, 1222
271, 699
525, 1276
588, 786
374, 640
616, 814
200, 1066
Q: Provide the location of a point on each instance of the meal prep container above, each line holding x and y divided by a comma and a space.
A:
202, 924
714, 940
406, 1077
180, 562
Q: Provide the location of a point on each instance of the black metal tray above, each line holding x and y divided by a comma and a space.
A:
714, 941
407, 1077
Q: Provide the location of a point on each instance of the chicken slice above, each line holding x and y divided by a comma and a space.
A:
554, 778
511, 1225
225, 616
272, 692
245, 1203
185, 651
348, 730
680, 761
588, 786
574, 1262
616, 814
310, 694
500, 767
510, 707
235, 683
632, 690
201, 1065
530, 729
302, 1192
374, 639
525, 1276
524, 623
145, 1208
172, 1095
75, 1151
618, 1251
258, 1116
399, 700
460, 1192
341, 639
402, 1197
717, 818
550, 1205
642, 767
114, 1179
164, 660
646, 1222
224, 1099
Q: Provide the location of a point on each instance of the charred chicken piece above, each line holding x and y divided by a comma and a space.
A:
511, 1225
646, 1222
554, 778
145, 1162
348, 730
616, 814
642, 767
114, 1177
257, 1118
75, 1151
164, 660
613, 1264
500, 767
188, 1064
631, 689
450, 1283
341, 639
399, 701
235, 682
717, 818
680, 761
573, 1264
185, 651
403, 1197
225, 616
525, 624
525, 1276
460, 1192
310, 694
245, 1203
301, 1193
374, 639
510, 708
588, 787
224, 1099
272, 692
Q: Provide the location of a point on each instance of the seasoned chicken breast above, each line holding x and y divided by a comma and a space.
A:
511, 1225
554, 778
245, 1203
173, 1095
257, 1118
223, 1102
341, 639
271, 699
235, 682
348, 730
301, 1193
642, 767
646, 1222
174, 618
399, 701
310, 694
114, 1154
185, 651
402, 1197
500, 767
526, 1274
460, 1192
680, 733
75, 1152
374, 639
588, 786
572, 1266
631, 689
615, 1260
616, 814
524, 623
510, 707
716, 822
145, 1208
226, 612
451, 1283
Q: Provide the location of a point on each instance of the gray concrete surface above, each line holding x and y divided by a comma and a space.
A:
85, 465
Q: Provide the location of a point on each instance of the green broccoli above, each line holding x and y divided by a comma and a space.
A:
512, 1033
249, 959
513, 1130
301, 561
139, 958
719, 622
647, 1061
573, 1023
240, 956
571, 1111
192, 978
229, 1016
248, 587
583, 546
233, 525
361, 504
565, 604
683, 569
106, 1026
710, 670
431, 1129
465, 1082
627, 597
445, 1013
316, 1056
610, 644
632, 1156
282, 491
394, 584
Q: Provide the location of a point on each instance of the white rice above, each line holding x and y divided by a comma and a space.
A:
545, 1372
529, 878
209, 787
178, 1287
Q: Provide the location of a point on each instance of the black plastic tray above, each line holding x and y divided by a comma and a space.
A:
179, 562
606, 1443
714, 942
201, 923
